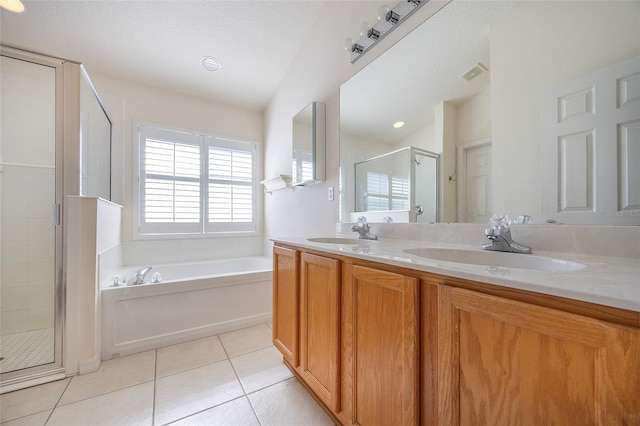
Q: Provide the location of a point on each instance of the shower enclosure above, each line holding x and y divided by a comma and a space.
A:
45, 103
406, 180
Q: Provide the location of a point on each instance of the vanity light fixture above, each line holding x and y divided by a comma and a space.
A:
388, 19
14, 6
209, 63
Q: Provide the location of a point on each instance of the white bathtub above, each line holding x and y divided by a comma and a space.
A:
193, 300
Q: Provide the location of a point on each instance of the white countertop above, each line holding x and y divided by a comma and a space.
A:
609, 281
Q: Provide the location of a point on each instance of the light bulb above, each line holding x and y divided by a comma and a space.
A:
367, 31
385, 14
353, 47
15, 6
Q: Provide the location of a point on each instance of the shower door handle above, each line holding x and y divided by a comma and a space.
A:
57, 209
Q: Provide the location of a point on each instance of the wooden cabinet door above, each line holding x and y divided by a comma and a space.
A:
286, 303
380, 347
512, 363
320, 327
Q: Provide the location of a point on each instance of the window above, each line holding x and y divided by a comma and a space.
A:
193, 183
379, 198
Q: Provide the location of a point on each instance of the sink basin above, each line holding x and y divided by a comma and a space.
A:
334, 240
497, 259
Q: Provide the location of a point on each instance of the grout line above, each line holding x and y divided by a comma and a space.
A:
58, 401
155, 382
206, 409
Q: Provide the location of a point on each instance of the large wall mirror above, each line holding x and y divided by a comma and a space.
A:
469, 84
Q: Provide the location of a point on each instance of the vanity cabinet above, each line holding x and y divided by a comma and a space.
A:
507, 362
286, 303
319, 363
378, 344
380, 347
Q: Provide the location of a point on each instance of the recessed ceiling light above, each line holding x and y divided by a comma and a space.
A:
210, 63
398, 124
12, 5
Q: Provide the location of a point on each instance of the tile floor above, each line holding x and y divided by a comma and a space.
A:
26, 349
235, 378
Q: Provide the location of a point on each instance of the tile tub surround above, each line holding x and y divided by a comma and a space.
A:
233, 378
610, 277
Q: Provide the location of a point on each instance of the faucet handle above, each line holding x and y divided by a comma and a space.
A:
499, 222
362, 220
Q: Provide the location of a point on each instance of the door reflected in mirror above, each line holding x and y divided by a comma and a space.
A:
516, 51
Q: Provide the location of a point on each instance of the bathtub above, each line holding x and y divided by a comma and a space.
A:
193, 300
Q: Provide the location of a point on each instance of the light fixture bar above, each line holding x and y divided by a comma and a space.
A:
388, 19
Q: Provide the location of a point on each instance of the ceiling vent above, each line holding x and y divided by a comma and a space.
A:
474, 72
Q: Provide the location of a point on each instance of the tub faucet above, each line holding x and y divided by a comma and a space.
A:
140, 274
500, 235
363, 230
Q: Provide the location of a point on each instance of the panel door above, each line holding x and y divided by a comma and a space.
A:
590, 147
477, 189
380, 344
507, 362
286, 303
320, 327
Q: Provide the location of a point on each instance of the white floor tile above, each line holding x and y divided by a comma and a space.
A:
31, 400
118, 373
261, 368
287, 403
192, 383
246, 340
38, 419
189, 392
130, 406
188, 355
234, 413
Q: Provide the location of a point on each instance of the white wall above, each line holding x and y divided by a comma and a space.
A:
316, 75
473, 118
160, 106
561, 43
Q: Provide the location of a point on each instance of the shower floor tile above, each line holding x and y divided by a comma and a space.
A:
26, 349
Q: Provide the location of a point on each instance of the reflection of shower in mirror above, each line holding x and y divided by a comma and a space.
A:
390, 185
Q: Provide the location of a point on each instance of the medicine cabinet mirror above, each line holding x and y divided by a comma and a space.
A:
308, 161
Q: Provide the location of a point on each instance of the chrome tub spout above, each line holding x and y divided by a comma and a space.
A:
140, 275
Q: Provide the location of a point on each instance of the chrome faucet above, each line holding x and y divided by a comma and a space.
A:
363, 230
500, 235
140, 274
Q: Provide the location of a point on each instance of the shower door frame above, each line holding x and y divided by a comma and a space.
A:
55, 370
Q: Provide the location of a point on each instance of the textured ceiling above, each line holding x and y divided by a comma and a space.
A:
161, 42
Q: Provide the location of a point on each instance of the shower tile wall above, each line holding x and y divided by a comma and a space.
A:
27, 187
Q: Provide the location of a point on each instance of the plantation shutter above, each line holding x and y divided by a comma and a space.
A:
170, 182
231, 172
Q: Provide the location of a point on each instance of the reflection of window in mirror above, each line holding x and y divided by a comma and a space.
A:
385, 192
302, 165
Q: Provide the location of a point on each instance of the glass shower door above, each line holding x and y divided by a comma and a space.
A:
27, 231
